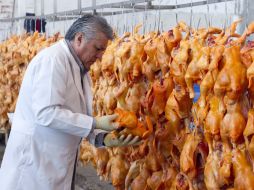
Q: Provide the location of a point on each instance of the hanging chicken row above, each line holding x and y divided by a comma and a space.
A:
148, 81
15, 54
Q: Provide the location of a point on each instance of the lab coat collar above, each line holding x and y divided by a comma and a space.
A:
83, 70
75, 72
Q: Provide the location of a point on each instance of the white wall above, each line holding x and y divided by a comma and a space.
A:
6, 7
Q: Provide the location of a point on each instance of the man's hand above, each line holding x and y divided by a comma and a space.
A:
106, 122
111, 140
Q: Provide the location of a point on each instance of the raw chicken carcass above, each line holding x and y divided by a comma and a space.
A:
132, 67
229, 32
117, 168
163, 55
249, 136
168, 177
151, 161
108, 59
140, 182
122, 54
101, 158
155, 181
87, 153
126, 118
199, 114
151, 65
182, 182
156, 98
211, 172
213, 121
247, 32
120, 91
99, 97
198, 66
179, 64
172, 38
233, 123
188, 161
109, 101
208, 81
244, 177
143, 128
95, 71
180, 102
134, 96
218, 167
247, 55
225, 168
133, 172
231, 80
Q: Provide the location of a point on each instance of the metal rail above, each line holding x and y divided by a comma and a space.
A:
79, 11
178, 6
130, 6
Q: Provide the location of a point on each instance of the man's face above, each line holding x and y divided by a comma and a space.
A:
89, 50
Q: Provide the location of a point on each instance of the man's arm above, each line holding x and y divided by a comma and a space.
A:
48, 98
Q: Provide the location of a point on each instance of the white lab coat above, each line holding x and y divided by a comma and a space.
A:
51, 116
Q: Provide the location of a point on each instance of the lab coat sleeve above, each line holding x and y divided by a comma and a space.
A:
96, 137
48, 97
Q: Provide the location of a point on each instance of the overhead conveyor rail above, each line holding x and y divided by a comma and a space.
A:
129, 6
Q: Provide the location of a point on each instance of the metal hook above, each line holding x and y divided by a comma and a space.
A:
226, 12
155, 21
235, 6
15, 28
211, 20
125, 22
159, 22
34, 19
8, 35
208, 13
191, 16
41, 24
120, 28
135, 20
132, 20
117, 27
54, 24
145, 19
198, 23
176, 12
206, 20
247, 13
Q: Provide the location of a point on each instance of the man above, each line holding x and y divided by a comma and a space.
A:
53, 112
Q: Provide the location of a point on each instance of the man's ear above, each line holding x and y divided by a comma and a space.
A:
78, 37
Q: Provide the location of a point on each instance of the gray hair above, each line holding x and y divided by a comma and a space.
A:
89, 25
